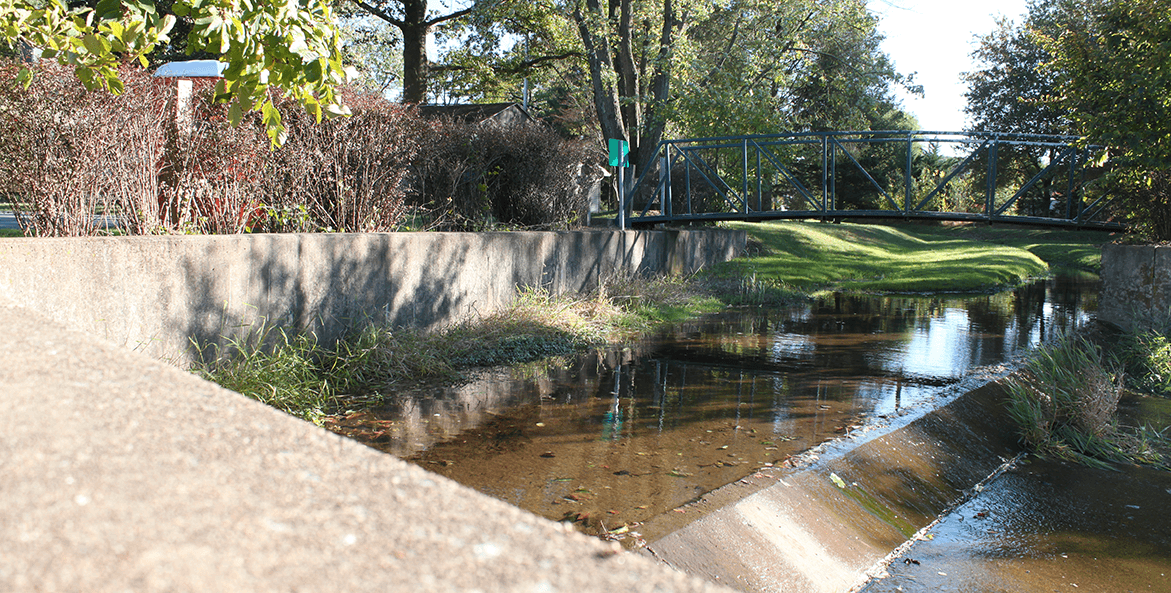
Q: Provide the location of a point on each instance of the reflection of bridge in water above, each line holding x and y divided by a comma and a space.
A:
1021, 178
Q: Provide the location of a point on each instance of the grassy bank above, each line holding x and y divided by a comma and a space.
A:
814, 256
297, 374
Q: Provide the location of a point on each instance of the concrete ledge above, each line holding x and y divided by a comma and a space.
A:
122, 473
156, 294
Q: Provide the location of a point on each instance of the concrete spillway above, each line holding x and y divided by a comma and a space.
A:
829, 523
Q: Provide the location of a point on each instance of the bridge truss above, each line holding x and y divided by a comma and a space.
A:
889, 174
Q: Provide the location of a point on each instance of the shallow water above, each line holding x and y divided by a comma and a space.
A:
1052, 526
610, 439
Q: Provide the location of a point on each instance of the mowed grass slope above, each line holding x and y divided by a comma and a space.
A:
811, 256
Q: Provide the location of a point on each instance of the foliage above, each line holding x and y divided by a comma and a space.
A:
480, 176
1065, 403
1116, 81
1115, 78
1095, 68
1012, 92
267, 45
1145, 353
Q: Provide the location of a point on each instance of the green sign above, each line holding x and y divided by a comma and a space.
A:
619, 153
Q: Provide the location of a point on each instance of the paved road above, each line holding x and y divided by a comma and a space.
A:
8, 221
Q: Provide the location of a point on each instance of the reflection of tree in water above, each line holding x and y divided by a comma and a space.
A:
770, 369
847, 334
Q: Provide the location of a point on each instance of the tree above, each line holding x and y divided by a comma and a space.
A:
1114, 77
286, 45
630, 103
1013, 93
415, 21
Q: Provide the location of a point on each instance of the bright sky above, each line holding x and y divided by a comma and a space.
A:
933, 38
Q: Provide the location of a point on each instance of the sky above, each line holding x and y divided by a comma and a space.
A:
933, 39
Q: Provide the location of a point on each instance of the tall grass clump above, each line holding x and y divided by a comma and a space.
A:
1065, 402
1145, 353
277, 368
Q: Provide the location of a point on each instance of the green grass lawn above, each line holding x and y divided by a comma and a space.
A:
812, 256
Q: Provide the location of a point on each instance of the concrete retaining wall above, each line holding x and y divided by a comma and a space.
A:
157, 294
1136, 283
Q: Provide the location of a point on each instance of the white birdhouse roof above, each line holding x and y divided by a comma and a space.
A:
192, 69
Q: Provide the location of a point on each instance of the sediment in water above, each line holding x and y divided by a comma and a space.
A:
827, 525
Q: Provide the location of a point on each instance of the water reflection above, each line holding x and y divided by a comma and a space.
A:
616, 437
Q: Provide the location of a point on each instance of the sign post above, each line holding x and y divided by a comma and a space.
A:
620, 159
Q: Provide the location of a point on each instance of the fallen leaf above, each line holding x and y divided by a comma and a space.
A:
840, 483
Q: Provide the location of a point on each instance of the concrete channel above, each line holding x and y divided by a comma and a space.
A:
123, 472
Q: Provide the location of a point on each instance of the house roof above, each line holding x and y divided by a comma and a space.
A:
476, 112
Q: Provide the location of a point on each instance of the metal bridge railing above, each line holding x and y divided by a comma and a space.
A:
871, 174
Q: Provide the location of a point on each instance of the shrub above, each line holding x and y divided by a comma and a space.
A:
1146, 356
210, 183
66, 154
482, 176
343, 174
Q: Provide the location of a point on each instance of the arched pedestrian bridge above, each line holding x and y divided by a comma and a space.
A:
988, 177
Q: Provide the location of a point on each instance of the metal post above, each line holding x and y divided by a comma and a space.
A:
1070, 186
759, 197
990, 195
744, 171
833, 171
665, 169
824, 174
621, 200
909, 179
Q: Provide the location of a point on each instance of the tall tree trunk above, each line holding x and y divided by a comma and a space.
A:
660, 88
414, 28
601, 72
628, 81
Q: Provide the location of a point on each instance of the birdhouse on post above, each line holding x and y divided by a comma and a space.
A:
183, 73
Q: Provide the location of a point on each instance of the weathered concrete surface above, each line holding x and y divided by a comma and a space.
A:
122, 473
1136, 284
799, 531
157, 294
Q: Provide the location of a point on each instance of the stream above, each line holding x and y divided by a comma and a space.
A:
614, 437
